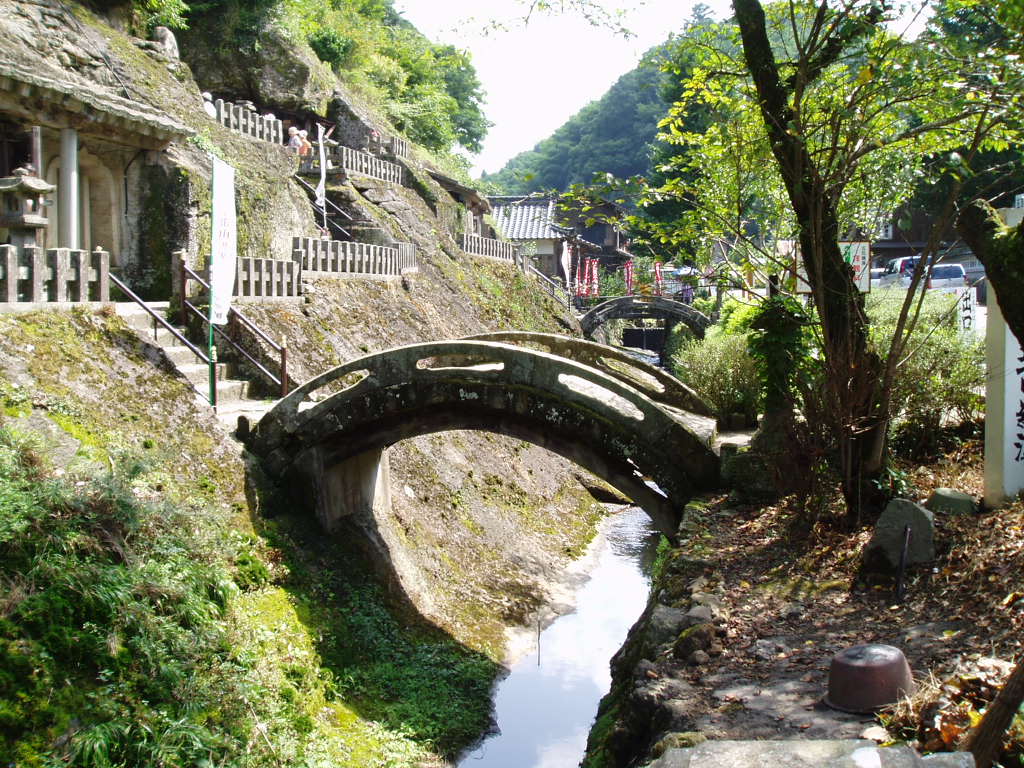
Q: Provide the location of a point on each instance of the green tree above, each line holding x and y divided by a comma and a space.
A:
463, 85
840, 104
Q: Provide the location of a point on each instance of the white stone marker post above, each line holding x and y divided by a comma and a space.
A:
1004, 410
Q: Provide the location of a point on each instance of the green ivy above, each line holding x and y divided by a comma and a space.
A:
779, 343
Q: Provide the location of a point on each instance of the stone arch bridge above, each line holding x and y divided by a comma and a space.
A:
645, 307
324, 442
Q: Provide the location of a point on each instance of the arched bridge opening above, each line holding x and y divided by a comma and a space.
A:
669, 311
322, 440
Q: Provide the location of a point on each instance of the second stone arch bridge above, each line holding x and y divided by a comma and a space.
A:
645, 307
621, 419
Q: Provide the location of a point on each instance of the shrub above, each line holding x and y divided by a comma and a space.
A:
942, 377
734, 316
721, 371
331, 47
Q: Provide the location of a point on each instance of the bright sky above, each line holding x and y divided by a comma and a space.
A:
536, 77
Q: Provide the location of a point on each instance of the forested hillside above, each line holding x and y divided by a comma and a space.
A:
611, 135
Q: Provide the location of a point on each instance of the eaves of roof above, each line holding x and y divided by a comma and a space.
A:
90, 104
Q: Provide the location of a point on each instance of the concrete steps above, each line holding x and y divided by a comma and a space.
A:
232, 394
836, 753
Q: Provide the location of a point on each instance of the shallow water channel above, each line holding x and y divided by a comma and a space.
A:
546, 705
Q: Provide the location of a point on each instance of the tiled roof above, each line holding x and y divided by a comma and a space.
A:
526, 218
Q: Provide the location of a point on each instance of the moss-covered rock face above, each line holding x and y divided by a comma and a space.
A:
241, 52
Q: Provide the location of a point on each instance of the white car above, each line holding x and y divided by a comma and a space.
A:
948, 276
899, 272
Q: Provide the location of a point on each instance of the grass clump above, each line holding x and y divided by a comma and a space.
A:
720, 369
112, 651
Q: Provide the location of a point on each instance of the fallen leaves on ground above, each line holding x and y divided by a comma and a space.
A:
788, 576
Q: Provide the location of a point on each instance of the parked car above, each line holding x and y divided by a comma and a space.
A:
948, 276
898, 272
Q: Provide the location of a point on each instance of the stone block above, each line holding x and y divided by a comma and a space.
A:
838, 753
696, 638
882, 554
662, 626
748, 475
951, 502
949, 760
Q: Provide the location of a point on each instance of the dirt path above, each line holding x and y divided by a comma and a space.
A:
783, 598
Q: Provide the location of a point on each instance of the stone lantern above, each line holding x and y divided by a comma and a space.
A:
22, 199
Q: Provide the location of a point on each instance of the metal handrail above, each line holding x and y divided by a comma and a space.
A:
554, 288
281, 349
174, 331
310, 188
157, 319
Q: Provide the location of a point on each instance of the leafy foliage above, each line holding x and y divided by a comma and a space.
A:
430, 92
942, 378
136, 632
111, 640
720, 369
779, 342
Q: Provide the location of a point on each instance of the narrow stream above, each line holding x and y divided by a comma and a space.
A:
546, 705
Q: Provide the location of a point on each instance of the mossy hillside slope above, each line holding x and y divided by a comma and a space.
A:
154, 618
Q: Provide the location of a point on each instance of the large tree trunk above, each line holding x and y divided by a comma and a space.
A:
986, 740
859, 420
1001, 250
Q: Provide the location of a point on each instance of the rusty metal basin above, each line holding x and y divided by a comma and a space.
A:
864, 678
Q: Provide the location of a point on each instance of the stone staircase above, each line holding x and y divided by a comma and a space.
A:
837, 753
232, 394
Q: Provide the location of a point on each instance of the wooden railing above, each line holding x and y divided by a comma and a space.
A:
32, 274
267, 279
339, 257
249, 122
488, 246
354, 162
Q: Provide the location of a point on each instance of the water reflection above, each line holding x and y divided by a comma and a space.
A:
544, 711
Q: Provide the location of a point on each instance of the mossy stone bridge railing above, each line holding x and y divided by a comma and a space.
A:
652, 381
57, 275
610, 427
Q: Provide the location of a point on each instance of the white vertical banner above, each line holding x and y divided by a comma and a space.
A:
858, 255
224, 250
321, 187
566, 263
1004, 410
